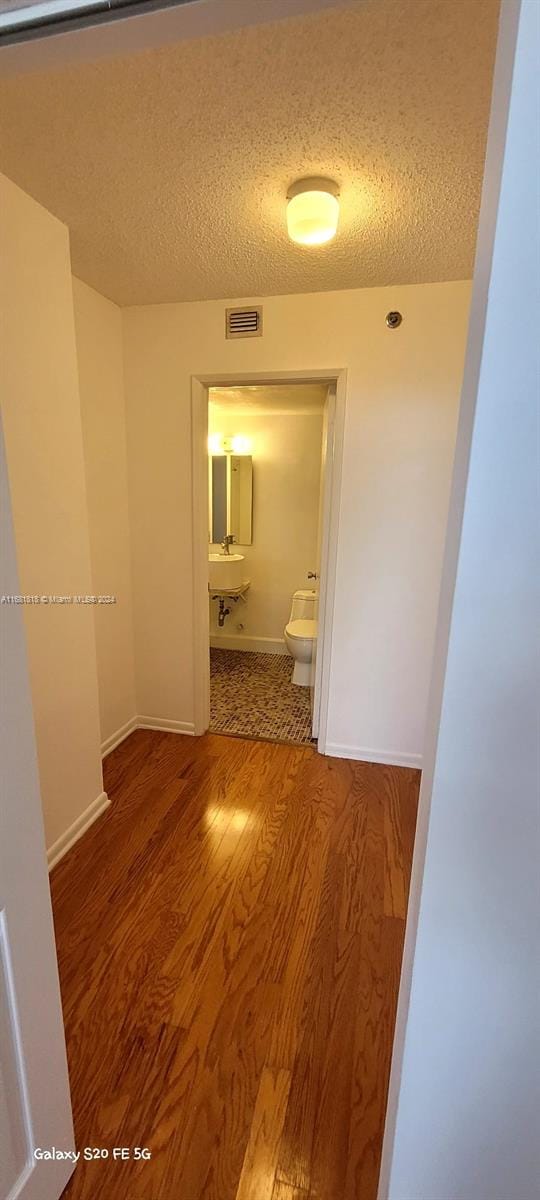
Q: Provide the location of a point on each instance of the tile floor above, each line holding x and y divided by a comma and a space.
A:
252, 695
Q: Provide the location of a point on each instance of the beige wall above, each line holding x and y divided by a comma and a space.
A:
402, 401
42, 425
101, 381
286, 451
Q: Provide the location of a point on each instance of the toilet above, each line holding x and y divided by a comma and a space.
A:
300, 634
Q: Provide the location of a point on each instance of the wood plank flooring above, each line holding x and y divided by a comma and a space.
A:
230, 936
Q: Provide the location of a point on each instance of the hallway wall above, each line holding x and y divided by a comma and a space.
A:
43, 435
464, 1096
98, 329
402, 401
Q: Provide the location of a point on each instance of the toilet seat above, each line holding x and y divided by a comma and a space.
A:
301, 629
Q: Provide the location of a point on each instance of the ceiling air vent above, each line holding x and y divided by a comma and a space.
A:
243, 322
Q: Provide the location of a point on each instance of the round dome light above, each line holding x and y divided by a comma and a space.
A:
312, 211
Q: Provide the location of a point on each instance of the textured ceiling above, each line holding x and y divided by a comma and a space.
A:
171, 166
274, 399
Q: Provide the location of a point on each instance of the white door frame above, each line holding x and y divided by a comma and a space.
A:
323, 547
200, 385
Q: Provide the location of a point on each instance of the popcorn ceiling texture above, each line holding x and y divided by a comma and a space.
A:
171, 166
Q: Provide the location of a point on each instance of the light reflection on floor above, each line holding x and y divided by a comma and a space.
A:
220, 819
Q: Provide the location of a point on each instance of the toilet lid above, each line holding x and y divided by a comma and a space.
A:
302, 629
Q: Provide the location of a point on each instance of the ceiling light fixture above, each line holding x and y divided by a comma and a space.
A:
312, 211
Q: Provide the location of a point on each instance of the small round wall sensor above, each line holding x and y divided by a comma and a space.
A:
393, 320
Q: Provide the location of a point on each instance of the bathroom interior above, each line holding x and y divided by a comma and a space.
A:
265, 455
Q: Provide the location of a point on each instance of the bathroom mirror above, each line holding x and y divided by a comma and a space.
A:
231, 497
218, 497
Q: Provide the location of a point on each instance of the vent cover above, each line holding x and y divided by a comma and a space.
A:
243, 322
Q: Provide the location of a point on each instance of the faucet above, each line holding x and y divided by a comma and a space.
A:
227, 542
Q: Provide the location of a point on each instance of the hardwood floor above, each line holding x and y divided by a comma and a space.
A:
230, 936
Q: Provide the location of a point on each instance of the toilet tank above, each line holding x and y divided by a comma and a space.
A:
304, 606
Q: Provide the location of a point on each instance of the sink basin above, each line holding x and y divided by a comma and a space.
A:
225, 571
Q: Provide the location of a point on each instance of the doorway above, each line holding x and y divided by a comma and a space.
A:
262, 641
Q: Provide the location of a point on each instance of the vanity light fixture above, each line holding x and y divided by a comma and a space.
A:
237, 444
215, 443
312, 211
240, 444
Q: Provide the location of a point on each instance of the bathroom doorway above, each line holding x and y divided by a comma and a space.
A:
266, 473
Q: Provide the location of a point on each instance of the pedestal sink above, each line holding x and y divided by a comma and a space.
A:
225, 571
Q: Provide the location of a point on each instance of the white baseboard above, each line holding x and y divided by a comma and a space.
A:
94, 810
114, 740
388, 758
158, 723
166, 726
76, 830
260, 645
